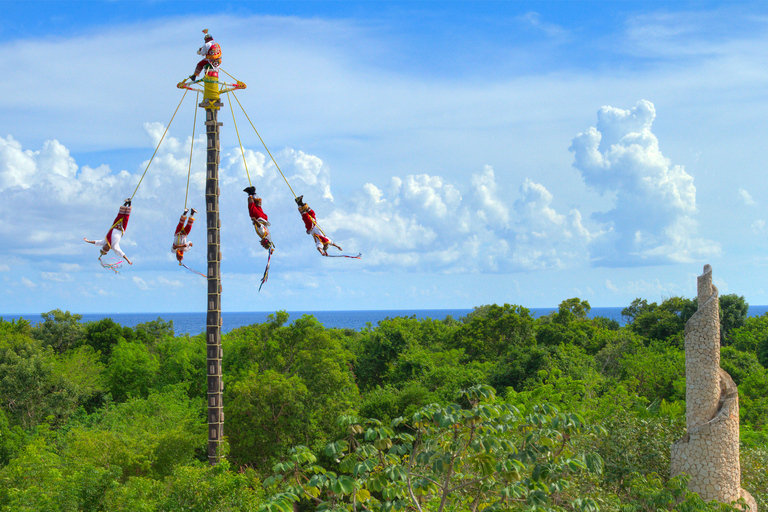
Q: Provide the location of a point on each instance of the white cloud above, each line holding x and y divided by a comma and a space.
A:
88, 200
491, 208
309, 169
431, 195
172, 283
423, 221
57, 277
416, 222
655, 202
546, 238
367, 119
28, 283
534, 19
50, 168
18, 167
758, 226
746, 198
46, 197
690, 34
534, 209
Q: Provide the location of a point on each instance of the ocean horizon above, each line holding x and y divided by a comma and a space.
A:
194, 323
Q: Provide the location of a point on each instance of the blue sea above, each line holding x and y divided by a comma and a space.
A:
194, 323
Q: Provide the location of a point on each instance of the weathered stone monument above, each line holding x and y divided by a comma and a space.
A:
709, 451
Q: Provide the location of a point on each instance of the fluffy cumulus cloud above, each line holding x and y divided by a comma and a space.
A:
424, 222
416, 222
546, 238
44, 192
51, 169
490, 206
653, 218
50, 203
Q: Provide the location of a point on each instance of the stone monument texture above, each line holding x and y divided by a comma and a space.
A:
709, 451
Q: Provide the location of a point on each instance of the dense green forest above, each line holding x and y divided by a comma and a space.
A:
495, 411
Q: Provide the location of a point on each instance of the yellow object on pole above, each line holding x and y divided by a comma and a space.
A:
211, 86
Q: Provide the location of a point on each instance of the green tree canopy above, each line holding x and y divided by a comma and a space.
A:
572, 309
287, 382
446, 458
665, 321
131, 371
60, 330
491, 331
378, 348
105, 334
733, 314
33, 385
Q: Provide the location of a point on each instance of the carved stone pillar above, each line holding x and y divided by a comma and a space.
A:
709, 451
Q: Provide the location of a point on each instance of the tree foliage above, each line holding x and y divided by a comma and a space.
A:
33, 387
60, 330
751, 336
665, 321
288, 385
491, 331
97, 416
131, 370
733, 314
486, 457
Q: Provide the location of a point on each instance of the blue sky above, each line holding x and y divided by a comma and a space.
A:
474, 152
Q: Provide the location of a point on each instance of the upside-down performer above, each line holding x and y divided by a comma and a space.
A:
322, 242
211, 53
180, 244
115, 233
261, 224
258, 217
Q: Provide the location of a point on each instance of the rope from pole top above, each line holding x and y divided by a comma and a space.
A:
265, 147
263, 144
191, 147
230, 76
158, 144
241, 85
242, 152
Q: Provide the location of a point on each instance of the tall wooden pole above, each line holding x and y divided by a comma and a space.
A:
211, 104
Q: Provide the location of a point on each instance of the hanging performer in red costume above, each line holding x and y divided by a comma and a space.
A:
211, 53
180, 244
116, 232
322, 242
258, 217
